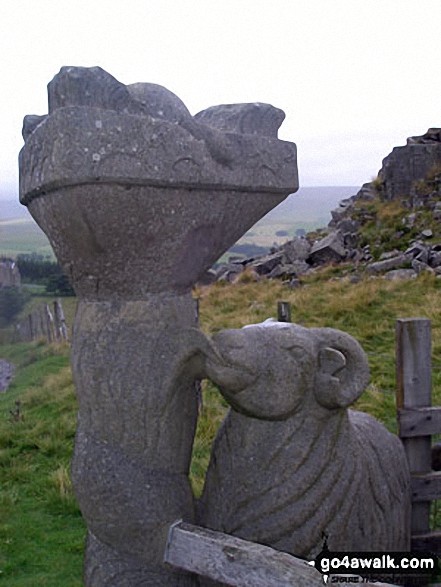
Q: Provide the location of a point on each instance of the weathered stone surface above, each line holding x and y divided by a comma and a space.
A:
101, 133
30, 123
386, 264
290, 443
286, 271
419, 266
348, 225
417, 249
247, 119
264, 265
329, 249
435, 259
405, 165
120, 177
297, 249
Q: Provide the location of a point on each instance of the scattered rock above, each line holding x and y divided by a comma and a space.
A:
386, 264
328, 250
398, 274
419, 266
297, 249
264, 265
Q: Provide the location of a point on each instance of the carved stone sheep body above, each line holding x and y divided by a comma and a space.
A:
291, 462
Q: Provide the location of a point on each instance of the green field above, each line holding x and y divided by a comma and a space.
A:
22, 235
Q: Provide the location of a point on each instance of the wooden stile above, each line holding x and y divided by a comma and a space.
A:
417, 421
238, 562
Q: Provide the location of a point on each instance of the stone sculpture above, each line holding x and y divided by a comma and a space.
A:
291, 463
118, 176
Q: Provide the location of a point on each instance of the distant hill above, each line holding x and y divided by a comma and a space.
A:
10, 209
306, 210
310, 204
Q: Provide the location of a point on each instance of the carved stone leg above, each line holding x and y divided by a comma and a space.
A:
134, 366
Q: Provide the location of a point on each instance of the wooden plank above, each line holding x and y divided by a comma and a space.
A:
419, 422
426, 487
234, 561
430, 542
414, 390
284, 312
240, 563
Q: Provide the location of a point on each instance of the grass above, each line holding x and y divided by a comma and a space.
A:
41, 530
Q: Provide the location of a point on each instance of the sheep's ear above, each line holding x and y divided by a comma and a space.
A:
343, 370
331, 361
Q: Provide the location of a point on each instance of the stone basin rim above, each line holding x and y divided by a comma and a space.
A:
27, 198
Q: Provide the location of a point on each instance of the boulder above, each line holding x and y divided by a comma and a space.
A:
419, 266
435, 258
417, 251
297, 249
291, 270
228, 272
386, 264
266, 264
329, 249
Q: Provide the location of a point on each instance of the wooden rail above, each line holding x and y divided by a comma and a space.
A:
237, 562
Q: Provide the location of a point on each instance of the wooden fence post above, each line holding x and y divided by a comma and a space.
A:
414, 390
284, 312
49, 322
42, 322
31, 327
57, 321
62, 321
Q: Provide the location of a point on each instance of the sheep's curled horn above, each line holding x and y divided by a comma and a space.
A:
343, 369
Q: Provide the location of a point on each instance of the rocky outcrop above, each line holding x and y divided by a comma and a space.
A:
410, 173
410, 163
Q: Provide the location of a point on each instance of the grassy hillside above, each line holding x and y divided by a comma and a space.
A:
41, 530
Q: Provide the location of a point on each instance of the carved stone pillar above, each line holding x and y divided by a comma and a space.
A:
139, 199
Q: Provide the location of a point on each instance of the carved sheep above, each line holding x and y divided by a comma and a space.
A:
290, 461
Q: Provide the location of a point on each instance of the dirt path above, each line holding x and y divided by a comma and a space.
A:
6, 371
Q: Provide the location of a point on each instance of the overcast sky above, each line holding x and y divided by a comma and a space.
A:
354, 77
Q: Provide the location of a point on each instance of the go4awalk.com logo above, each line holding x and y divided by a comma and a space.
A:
368, 566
